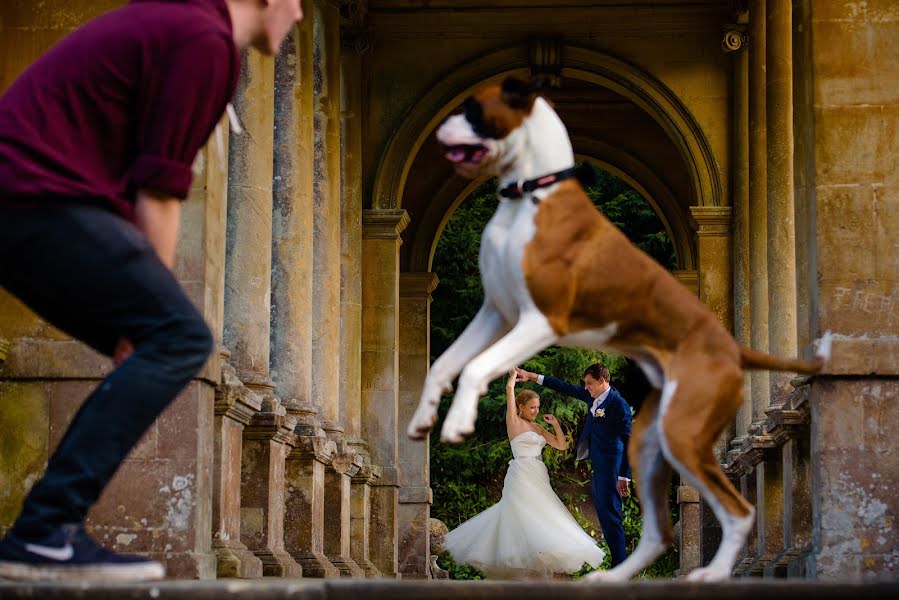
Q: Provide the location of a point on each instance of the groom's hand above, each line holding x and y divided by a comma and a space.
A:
623, 487
522, 375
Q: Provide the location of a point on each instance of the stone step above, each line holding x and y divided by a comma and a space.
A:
362, 589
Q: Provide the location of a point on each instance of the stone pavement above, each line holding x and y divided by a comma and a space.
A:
369, 589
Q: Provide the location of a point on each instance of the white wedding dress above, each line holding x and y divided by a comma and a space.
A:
529, 532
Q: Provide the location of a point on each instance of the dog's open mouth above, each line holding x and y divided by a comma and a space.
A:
465, 153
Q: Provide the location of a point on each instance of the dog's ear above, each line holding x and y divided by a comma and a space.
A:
521, 94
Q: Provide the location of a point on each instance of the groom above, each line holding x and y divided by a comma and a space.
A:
604, 440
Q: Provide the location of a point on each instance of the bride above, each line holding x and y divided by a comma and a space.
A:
529, 532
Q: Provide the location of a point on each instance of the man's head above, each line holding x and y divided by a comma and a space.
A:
596, 379
263, 24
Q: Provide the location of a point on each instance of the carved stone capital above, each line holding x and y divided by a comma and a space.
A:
316, 447
233, 399
734, 37
272, 426
384, 224
347, 463
358, 39
712, 220
418, 285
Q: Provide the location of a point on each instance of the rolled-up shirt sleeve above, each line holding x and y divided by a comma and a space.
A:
180, 111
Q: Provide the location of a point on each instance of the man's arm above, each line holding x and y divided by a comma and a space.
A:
158, 216
574, 391
624, 431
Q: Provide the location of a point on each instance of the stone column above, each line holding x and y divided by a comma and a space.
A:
305, 503
797, 509
351, 111
249, 240
750, 550
781, 211
415, 492
338, 516
235, 405
758, 208
326, 215
689, 525
248, 314
769, 509
380, 374
740, 149
292, 244
267, 440
360, 517
713, 229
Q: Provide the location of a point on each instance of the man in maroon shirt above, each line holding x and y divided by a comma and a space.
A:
97, 139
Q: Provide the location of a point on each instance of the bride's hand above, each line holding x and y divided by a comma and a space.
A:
510, 384
549, 419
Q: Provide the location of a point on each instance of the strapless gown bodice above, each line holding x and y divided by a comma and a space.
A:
528, 445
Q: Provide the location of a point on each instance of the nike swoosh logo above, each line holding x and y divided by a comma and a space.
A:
61, 554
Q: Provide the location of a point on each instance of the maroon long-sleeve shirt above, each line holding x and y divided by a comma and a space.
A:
123, 103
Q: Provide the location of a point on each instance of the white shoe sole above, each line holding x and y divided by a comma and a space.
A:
115, 573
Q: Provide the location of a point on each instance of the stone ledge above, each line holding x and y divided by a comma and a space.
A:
863, 356
270, 589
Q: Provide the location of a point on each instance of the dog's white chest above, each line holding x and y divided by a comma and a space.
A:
502, 249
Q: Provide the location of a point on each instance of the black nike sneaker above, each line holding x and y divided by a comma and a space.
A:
70, 554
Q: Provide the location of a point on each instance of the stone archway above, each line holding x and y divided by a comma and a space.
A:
660, 103
670, 121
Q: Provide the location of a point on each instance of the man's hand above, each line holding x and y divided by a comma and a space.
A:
522, 375
158, 216
122, 351
623, 487
549, 419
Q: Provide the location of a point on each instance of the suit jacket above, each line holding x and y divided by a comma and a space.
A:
608, 432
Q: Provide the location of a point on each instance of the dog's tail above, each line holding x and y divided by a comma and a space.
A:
750, 359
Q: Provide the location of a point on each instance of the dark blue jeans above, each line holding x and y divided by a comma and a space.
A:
93, 275
608, 503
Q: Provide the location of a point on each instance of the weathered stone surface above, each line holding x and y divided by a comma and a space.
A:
854, 463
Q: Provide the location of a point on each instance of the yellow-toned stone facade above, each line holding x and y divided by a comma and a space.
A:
764, 133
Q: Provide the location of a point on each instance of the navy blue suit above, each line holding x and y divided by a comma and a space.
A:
604, 441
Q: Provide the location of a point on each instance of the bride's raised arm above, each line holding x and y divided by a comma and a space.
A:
512, 425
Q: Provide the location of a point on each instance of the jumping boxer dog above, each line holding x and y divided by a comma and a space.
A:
556, 271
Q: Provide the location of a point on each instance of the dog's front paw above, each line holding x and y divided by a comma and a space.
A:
426, 414
422, 422
459, 423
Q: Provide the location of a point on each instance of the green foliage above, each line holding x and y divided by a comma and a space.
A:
468, 478
445, 561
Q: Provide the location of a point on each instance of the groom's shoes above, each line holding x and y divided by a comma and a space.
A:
68, 554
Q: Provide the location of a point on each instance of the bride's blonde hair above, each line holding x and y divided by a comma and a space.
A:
525, 396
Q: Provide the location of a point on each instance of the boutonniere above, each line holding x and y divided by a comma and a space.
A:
600, 412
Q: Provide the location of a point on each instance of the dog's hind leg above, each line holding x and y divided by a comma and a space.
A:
530, 335
694, 412
486, 327
652, 474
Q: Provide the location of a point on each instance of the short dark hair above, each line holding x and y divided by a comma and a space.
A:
597, 371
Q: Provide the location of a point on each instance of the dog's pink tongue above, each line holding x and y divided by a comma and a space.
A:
456, 155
